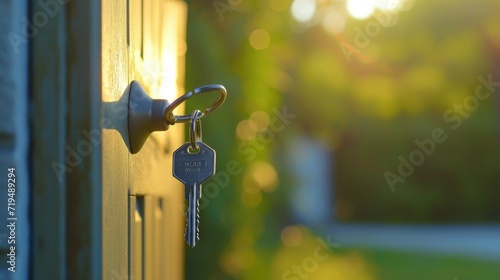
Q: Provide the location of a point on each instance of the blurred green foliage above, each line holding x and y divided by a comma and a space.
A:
367, 102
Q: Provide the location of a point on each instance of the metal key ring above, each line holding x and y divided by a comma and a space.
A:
173, 119
195, 129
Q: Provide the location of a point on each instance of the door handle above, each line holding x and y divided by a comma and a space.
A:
146, 115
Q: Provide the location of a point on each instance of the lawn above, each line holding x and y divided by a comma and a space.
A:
399, 265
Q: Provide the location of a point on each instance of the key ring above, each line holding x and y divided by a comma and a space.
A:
173, 119
195, 130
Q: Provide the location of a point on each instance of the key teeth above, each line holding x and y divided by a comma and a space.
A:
187, 235
192, 234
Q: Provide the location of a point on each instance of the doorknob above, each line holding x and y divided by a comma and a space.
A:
146, 115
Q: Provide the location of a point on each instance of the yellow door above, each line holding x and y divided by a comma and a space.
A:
142, 204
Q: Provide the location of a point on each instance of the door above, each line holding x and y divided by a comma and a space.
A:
97, 211
142, 204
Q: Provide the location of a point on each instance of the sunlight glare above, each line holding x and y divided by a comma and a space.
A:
303, 10
361, 8
388, 5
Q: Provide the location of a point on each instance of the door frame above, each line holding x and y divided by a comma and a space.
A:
66, 101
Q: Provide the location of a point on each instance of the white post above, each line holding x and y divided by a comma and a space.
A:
310, 164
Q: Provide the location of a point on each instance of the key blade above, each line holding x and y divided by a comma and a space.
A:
192, 217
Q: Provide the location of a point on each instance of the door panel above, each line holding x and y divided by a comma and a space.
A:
115, 154
143, 219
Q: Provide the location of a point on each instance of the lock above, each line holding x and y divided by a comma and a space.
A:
146, 115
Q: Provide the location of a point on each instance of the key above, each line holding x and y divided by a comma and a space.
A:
193, 169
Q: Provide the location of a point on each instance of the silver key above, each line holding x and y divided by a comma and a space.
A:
193, 169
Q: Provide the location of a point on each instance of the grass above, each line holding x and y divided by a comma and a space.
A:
396, 265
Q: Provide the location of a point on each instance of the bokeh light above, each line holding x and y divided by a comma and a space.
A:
260, 39
361, 9
246, 130
333, 21
265, 176
261, 120
303, 10
291, 236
